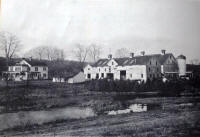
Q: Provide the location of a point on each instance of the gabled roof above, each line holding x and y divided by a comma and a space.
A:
163, 58
17, 64
137, 60
101, 63
34, 62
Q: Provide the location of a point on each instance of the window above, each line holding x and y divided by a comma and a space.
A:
17, 68
100, 62
44, 68
11, 68
149, 69
89, 76
97, 75
102, 75
88, 68
36, 68
150, 63
130, 75
141, 75
125, 62
156, 63
109, 69
112, 63
44, 75
104, 63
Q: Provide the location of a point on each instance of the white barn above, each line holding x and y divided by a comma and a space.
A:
138, 68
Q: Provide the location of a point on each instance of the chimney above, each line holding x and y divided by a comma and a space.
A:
132, 55
142, 53
163, 51
110, 56
30, 58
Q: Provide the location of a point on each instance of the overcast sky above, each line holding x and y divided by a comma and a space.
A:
149, 25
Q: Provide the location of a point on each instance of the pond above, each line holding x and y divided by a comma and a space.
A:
22, 118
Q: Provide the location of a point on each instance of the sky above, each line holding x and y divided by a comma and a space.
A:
149, 25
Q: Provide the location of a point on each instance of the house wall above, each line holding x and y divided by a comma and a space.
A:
102, 70
42, 70
44, 73
170, 65
89, 70
17, 68
153, 68
135, 72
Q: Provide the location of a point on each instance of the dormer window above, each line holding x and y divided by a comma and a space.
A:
125, 62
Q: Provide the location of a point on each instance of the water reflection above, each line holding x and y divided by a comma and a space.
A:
132, 108
138, 107
9, 120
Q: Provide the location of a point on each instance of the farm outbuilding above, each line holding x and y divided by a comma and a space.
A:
58, 79
78, 78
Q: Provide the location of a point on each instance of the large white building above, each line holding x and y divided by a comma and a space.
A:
136, 67
27, 69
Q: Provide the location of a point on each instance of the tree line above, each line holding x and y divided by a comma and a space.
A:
11, 45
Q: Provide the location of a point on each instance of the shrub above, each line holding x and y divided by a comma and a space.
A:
172, 87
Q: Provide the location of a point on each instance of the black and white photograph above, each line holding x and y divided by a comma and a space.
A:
99, 68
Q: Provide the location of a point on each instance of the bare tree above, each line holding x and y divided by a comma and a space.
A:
9, 44
121, 53
94, 52
37, 53
46, 52
80, 52
195, 61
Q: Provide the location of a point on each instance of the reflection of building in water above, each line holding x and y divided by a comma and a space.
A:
138, 107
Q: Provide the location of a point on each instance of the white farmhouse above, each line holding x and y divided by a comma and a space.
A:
27, 69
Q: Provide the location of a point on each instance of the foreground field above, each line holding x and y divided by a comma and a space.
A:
165, 116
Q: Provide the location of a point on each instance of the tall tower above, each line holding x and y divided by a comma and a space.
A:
181, 65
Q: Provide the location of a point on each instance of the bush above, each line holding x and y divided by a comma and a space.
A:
170, 87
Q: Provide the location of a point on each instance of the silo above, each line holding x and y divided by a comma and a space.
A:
181, 65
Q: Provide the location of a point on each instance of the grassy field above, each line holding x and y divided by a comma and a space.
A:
172, 116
